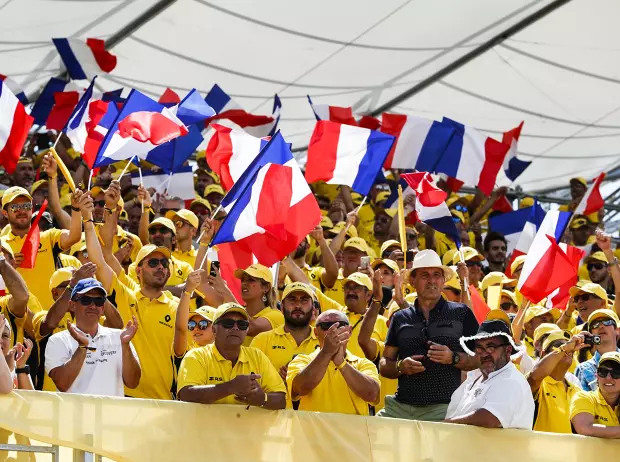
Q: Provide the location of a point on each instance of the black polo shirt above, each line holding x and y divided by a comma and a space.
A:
410, 332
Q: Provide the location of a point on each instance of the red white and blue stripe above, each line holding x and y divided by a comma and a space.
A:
343, 115
440, 219
84, 60
513, 166
14, 126
519, 228
45, 102
15, 89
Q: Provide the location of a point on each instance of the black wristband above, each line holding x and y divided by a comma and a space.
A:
75, 209
23, 370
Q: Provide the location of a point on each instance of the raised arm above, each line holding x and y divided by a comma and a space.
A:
18, 301
131, 366
546, 365
49, 166
143, 231
365, 340
330, 275
105, 274
519, 321
336, 243
206, 234
179, 343
603, 241
79, 200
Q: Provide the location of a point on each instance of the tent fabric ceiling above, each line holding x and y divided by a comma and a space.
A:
560, 75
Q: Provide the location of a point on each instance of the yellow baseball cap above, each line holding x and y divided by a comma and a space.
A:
351, 232
602, 314
390, 243
201, 155
454, 282
538, 310
201, 201
454, 198
7, 248
326, 222
579, 179
448, 257
13, 193
517, 262
37, 184
165, 222
356, 198
256, 271
96, 190
360, 279
526, 202
385, 261
60, 276
469, 253
356, 243
205, 312
544, 329
77, 247
147, 250
184, 214
599, 256
459, 215
213, 175
510, 295
495, 278
498, 314
579, 222
382, 197
590, 288
298, 287
231, 307
554, 336
610, 356
214, 188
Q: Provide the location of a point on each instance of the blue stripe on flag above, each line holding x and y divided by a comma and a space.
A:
513, 222
435, 144
45, 101
563, 220
81, 108
172, 155
217, 98
445, 225
378, 146
193, 109
74, 68
515, 168
451, 158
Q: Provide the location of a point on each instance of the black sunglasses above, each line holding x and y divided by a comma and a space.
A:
86, 300
17, 207
159, 230
471, 264
507, 306
604, 322
100, 203
585, 297
325, 325
603, 372
203, 324
596, 266
154, 262
241, 324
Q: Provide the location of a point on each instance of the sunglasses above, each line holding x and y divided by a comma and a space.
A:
507, 306
203, 324
86, 300
596, 266
179, 223
325, 325
155, 262
100, 203
159, 230
603, 372
411, 237
460, 208
604, 322
473, 264
17, 207
585, 297
489, 348
241, 324
456, 219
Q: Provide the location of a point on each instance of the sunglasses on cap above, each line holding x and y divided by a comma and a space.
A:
159, 230
596, 266
155, 262
203, 324
585, 297
86, 300
17, 207
603, 322
325, 325
100, 203
241, 324
456, 219
507, 306
603, 372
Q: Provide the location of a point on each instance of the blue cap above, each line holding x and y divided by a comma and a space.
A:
84, 285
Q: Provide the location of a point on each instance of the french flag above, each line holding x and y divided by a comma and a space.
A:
169, 98
560, 296
180, 185
419, 143
82, 117
84, 60
426, 191
513, 166
270, 208
65, 103
14, 126
343, 115
547, 267
15, 89
45, 102
440, 219
592, 201
346, 155
97, 128
472, 158
519, 228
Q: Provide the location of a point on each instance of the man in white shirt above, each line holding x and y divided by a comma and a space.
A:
89, 358
496, 395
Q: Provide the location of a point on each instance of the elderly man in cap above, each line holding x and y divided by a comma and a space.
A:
593, 413
496, 395
89, 358
226, 372
422, 348
332, 379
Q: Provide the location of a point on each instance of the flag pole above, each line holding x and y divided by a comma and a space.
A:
401, 225
90, 179
125, 169
462, 259
141, 184
168, 185
356, 210
204, 259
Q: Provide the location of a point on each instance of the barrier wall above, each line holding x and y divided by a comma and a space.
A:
146, 430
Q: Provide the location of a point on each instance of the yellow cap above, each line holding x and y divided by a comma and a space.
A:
59, 276
360, 279
356, 243
526, 202
356, 198
201, 201
165, 222
201, 155
554, 336
382, 197
37, 184
257, 271
602, 314
351, 232
147, 250
77, 247
469, 253
123, 215
298, 287
495, 278
13, 193
538, 310
213, 175
214, 188
581, 180
326, 222
610, 356
390, 243
24, 160
449, 256
205, 312
454, 282
498, 314
516, 263
578, 222
385, 261
510, 295
183, 214
454, 198
599, 256
231, 307
96, 190
590, 288
7, 248
544, 329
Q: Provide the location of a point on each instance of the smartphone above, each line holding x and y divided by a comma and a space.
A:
365, 263
214, 264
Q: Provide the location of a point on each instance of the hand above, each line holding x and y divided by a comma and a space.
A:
377, 283
123, 253
317, 234
23, 353
129, 331
440, 353
256, 397
144, 196
499, 192
112, 194
19, 258
75, 197
77, 336
338, 206
49, 166
86, 205
412, 365
397, 293
367, 271
87, 270
576, 343
352, 218
331, 344
409, 201
283, 371
206, 231
603, 240
476, 228
572, 306
243, 385
462, 271
193, 280
340, 355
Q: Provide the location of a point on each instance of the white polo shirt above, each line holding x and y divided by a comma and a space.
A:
505, 394
102, 370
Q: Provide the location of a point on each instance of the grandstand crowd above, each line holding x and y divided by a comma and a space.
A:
125, 298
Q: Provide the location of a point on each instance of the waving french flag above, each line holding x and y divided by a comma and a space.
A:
592, 200
15, 89
84, 60
169, 98
426, 191
270, 208
440, 219
513, 166
343, 115
346, 155
45, 102
559, 297
14, 126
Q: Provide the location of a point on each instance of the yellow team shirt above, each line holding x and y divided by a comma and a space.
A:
379, 332
388, 386
206, 366
275, 318
17, 324
593, 402
69, 261
366, 223
332, 394
280, 346
121, 237
188, 257
152, 340
336, 292
37, 278
179, 271
553, 400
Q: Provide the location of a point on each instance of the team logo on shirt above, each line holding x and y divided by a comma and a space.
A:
478, 392
600, 417
216, 379
166, 321
278, 347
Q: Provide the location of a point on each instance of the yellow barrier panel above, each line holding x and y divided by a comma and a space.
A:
145, 430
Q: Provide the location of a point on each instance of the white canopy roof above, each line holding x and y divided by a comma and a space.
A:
561, 75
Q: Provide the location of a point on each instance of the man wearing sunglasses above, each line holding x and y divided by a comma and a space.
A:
598, 271
332, 379
605, 324
474, 261
226, 372
587, 298
593, 413
186, 225
89, 358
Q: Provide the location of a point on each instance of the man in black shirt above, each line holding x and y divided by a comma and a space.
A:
422, 348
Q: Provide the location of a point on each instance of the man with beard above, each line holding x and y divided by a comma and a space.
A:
24, 173
317, 276
496, 395
495, 247
352, 252
296, 336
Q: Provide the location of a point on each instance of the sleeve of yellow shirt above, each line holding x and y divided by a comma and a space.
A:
37, 320
193, 370
367, 368
54, 236
271, 382
582, 402
124, 299
259, 342
294, 369
131, 272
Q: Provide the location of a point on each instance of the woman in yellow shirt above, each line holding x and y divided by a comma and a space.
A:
199, 323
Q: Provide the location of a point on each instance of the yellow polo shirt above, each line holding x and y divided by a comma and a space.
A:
336, 292
379, 332
592, 402
188, 257
179, 271
275, 318
280, 346
206, 366
553, 400
152, 340
17, 324
332, 394
47, 262
313, 274
388, 386
69, 261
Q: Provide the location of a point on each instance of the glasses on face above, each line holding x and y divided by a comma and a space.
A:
179, 224
473, 264
159, 230
203, 324
489, 348
596, 266
603, 322
26, 206
460, 208
325, 325
86, 300
100, 203
585, 297
507, 306
456, 219
603, 372
411, 237
241, 324
154, 262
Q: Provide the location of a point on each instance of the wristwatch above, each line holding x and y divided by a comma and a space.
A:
23, 370
456, 357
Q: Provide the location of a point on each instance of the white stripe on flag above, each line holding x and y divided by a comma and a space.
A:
321, 110
245, 148
8, 105
410, 142
246, 224
351, 149
472, 157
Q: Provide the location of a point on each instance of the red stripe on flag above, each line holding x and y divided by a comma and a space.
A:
169, 97
322, 151
64, 104
427, 193
392, 124
30, 248
96, 110
495, 153
105, 60
22, 122
233, 255
342, 115
153, 127
275, 201
218, 154
369, 122
479, 306
242, 118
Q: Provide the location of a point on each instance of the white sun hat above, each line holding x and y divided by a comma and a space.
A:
429, 259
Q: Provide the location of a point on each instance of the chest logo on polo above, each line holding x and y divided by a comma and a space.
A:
179, 272
600, 417
215, 379
166, 321
478, 392
278, 347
